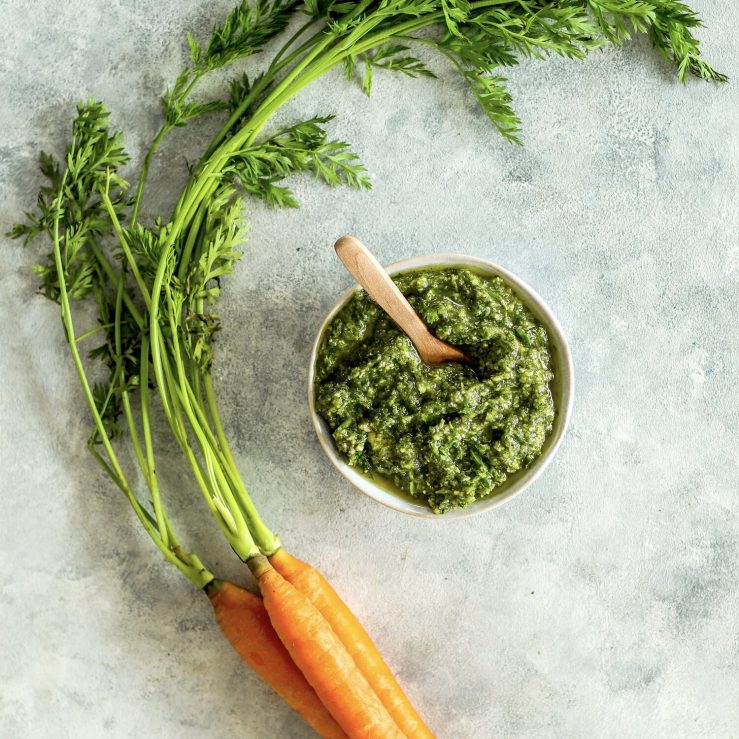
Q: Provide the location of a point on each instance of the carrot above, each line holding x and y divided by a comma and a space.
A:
244, 620
357, 641
323, 659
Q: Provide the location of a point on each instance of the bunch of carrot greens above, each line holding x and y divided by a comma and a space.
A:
155, 285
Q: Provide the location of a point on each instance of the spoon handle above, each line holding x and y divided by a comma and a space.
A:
371, 275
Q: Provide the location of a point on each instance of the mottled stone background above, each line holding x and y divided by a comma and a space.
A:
601, 603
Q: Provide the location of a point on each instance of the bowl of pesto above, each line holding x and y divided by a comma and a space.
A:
447, 441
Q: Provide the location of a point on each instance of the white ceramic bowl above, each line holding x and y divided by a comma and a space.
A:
562, 391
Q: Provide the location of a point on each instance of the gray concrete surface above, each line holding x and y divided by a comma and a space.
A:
601, 603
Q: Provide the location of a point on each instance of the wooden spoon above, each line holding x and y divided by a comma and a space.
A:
370, 274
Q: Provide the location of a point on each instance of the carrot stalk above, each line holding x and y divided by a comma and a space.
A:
244, 620
322, 658
357, 641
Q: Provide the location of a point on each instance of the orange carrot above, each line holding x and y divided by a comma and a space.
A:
323, 659
357, 641
244, 620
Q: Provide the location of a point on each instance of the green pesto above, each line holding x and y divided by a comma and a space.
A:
448, 435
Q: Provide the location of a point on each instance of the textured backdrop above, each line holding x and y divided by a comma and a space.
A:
603, 602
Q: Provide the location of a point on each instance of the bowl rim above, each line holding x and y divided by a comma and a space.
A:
557, 340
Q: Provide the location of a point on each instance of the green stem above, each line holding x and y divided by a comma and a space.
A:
192, 235
115, 377
128, 414
191, 385
203, 180
197, 575
177, 423
270, 75
66, 312
163, 131
125, 401
290, 42
92, 332
268, 542
222, 498
151, 471
124, 245
106, 266
158, 138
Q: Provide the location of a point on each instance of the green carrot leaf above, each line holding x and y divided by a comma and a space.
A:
245, 31
495, 101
